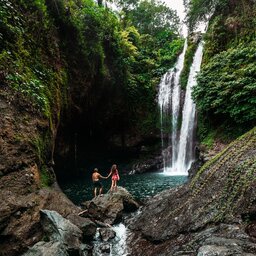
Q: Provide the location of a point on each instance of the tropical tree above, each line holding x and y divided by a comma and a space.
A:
153, 17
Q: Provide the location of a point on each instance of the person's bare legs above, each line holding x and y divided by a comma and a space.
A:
112, 185
115, 186
100, 191
95, 192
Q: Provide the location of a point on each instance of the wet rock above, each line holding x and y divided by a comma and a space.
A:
85, 250
55, 200
89, 229
61, 230
213, 250
47, 248
251, 230
195, 166
149, 165
101, 224
109, 208
106, 234
87, 226
223, 245
93, 210
105, 248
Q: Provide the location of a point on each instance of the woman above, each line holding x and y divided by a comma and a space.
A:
115, 177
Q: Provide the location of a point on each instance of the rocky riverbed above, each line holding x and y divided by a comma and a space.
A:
74, 234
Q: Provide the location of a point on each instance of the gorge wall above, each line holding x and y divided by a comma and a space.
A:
68, 73
64, 78
49, 81
214, 213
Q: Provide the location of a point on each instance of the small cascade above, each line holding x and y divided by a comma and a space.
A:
119, 247
113, 247
178, 153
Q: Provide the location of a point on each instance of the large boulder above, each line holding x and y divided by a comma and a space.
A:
87, 226
109, 208
222, 191
61, 230
47, 248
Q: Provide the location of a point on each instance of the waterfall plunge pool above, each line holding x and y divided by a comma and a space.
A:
141, 186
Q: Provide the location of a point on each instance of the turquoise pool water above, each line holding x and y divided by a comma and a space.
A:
140, 186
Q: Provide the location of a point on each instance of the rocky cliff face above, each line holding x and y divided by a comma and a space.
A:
219, 201
26, 184
50, 80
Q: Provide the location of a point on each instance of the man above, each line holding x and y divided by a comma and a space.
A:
96, 182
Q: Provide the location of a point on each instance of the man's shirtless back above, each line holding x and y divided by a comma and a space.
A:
96, 176
96, 182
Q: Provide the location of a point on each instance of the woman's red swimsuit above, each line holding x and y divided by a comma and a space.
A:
115, 176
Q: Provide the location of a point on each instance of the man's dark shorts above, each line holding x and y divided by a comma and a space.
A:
97, 184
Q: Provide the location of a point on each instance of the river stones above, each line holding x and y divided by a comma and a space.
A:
106, 234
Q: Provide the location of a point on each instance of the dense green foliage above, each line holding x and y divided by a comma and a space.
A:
28, 68
78, 57
227, 84
189, 55
153, 17
225, 94
199, 10
152, 28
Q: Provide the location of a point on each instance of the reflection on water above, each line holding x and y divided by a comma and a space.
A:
139, 185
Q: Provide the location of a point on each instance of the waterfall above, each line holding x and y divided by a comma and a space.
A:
185, 150
178, 152
170, 107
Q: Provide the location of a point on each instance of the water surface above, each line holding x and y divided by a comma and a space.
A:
140, 186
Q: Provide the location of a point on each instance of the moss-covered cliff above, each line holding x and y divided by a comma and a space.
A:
69, 72
90, 75
225, 94
205, 212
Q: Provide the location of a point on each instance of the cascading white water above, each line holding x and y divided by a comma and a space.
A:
178, 155
169, 102
113, 247
185, 149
